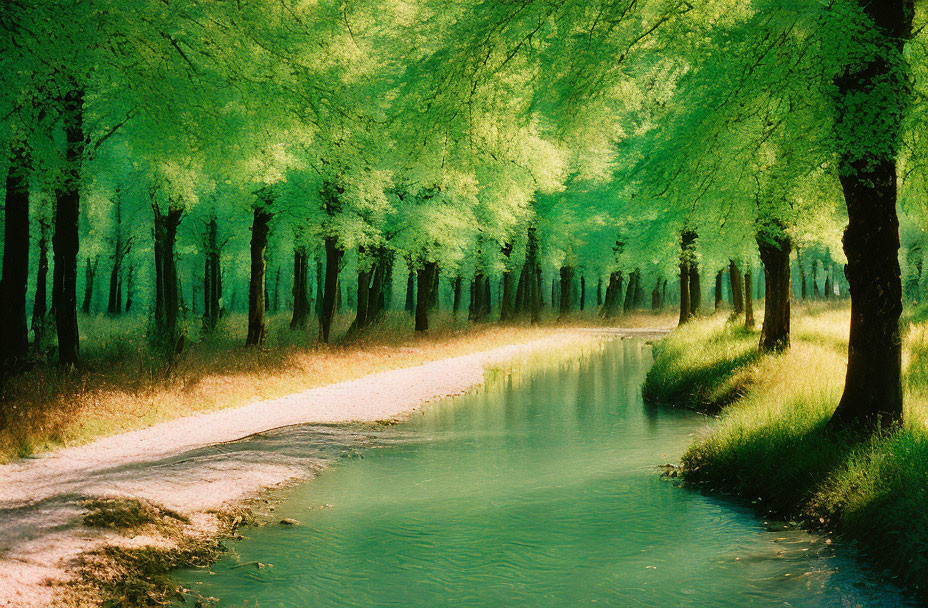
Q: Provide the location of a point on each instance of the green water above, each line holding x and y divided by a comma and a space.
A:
540, 491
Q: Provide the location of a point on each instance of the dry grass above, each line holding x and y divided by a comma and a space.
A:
122, 385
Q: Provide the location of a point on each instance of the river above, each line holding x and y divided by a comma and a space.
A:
542, 490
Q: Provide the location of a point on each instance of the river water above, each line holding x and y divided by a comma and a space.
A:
542, 490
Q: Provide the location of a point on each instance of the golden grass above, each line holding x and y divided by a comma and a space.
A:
122, 385
771, 444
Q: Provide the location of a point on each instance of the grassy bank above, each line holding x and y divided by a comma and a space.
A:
122, 384
770, 446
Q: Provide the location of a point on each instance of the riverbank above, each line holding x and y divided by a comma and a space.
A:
187, 482
122, 384
770, 447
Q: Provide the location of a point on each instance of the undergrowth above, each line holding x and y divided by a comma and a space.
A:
771, 447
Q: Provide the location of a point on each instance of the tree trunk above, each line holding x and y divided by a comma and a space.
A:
129, 288
656, 295
748, 301
737, 288
166, 300
90, 274
695, 290
718, 290
688, 300
630, 292
40, 304
66, 240
613, 298
815, 293
425, 278
14, 334
120, 249
458, 289
257, 286
299, 292
411, 292
567, 278
320, 289
774, 246
599, 292
507, 307
873, 386
333, 258
533, 287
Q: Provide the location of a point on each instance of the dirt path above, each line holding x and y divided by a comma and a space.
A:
200, 463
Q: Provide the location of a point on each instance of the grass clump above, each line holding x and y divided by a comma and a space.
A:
700, 365
771, 447
125, 513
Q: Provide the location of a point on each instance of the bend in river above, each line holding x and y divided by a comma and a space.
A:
540, 491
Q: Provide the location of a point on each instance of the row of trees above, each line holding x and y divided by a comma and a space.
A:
650, 143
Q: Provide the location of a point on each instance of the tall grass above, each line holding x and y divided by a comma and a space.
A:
124, 384
770, 445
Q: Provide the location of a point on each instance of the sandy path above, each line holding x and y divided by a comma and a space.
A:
189, 464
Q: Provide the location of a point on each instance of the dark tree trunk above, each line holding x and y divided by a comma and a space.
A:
212, 278
40, 304
829, 286
656, 295
376, 301
90, 273
320, 289
613, 298
737, 287
257, 285
425, 279
687, 267
639, 290
333, 258
507, 307
368, 289
567, 279
718, 290
458, 289
631, 291
120, 249
166, 300
815, 293
664, 294
129, 277
695, 290
599, 292
14, 334
66, 240
748, 301
873, 386
774, 246
480, 297
300, 291
411, 292
533, 288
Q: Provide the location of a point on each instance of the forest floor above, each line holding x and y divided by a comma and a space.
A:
110, 516
770, 444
